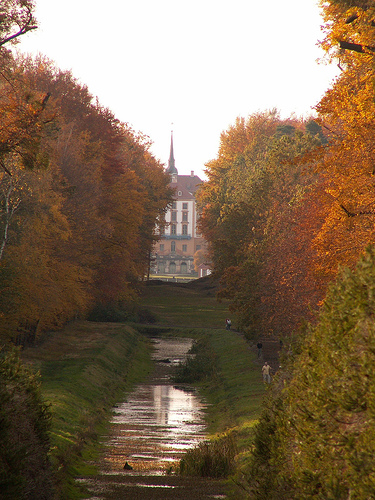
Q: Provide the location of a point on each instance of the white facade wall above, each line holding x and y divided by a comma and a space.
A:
179, 222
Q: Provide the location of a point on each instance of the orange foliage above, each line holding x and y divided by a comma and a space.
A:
80, 226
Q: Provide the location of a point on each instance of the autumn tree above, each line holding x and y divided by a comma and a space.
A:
80, 201
16, 19
249, 206
346, 113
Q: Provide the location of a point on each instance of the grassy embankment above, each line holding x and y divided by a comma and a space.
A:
225, 370
86, 368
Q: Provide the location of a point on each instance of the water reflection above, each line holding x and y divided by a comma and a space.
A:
159, 421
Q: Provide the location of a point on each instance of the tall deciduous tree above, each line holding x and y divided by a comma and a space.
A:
316, 435
346, 112
249, 204
81, 198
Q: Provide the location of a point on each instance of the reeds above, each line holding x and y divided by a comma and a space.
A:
214, 458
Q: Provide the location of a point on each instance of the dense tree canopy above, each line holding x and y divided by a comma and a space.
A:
289, 201
315, 438
259, 246
80, 195
286, 214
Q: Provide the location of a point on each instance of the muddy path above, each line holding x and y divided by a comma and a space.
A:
150, 431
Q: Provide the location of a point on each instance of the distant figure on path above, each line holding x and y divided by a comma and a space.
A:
266, 373
259, 346
228, 323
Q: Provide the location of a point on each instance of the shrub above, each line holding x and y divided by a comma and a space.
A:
200, 364
25, 471
214, 458
316, 436
120, 313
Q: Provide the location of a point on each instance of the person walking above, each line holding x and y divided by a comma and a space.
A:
266, 371
259, 346
228, 324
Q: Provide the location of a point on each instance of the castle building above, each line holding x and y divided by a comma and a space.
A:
180, 240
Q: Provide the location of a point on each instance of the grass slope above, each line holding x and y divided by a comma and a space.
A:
192, 305
86, 368
235, 389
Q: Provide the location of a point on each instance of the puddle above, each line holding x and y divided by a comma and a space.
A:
151, 430
158, 422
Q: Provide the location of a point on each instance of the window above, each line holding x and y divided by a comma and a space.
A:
173, 246
198, 247
184, 206
184, 229
162, 247
184, 248
174, 205
173, 229
179, 193
174, 216
184, 216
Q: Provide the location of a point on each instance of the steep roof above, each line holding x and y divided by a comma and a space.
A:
187, 184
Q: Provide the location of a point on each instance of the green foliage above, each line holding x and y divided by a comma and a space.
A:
25, 471
313, 128
316, 437
199, 365
121, 312
214, 458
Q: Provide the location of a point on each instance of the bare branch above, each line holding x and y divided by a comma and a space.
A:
359, 212
363, 49
2, 165
27, 26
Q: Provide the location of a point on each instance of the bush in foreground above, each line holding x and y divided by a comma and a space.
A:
25, 471
214, 458
316, 437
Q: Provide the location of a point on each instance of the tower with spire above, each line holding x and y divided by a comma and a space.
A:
180, 241
172, 170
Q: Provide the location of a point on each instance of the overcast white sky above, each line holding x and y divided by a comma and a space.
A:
197, 64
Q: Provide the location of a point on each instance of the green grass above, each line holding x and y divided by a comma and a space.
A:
86, 369
227, 375
190, 306
232, 385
